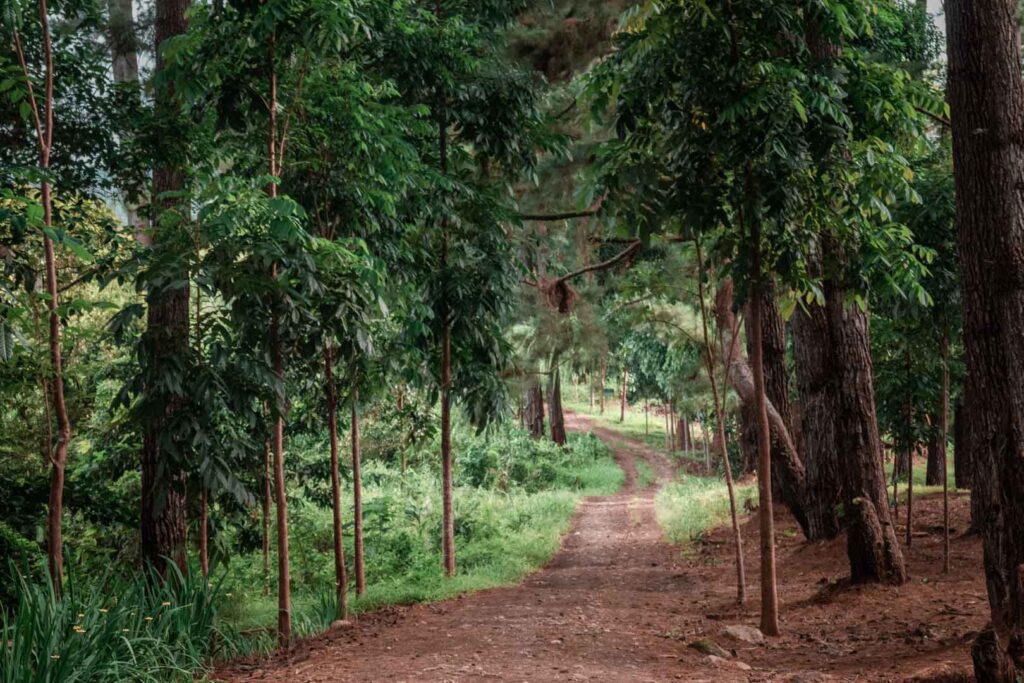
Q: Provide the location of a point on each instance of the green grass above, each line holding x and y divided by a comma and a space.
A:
507, 526
690, 506
644, 474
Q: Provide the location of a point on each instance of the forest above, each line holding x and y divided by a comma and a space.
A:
471, 340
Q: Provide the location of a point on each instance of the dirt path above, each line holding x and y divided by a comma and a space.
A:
601, 610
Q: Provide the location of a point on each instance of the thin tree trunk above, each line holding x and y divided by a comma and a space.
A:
555, 406
447, 508
357, 498
604, 383
266, 517
910, 459
941, 446
769, 594
284, 590
340, 571
986, 95
163, 523
647, 418
709, 363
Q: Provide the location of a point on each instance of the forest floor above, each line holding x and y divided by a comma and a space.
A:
619, 603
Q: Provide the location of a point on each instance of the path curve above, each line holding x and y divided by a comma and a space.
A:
607, 607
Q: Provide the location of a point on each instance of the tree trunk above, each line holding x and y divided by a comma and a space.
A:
357, 498
709, 364
871, 543
448, 514
936, 453
604, 380
555, 407
941, 445
769, 594
788, 480
340, 570
986, 95
741, 377
533, 410
815, 378
284, 574
266, 517
163, 499
748, 437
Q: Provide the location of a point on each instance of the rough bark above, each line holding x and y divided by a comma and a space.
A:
163, 524
871, 543
986, 95
533, 408
340, 570
555, 407
815, 378
357, 498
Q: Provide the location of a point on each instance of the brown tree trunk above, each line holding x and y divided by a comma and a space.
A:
941, 446
448, 513
815, 378
163, 499
871, 543
555, 407
769, 594
986, 95
741, 378
340, 571
357, 498
284, 588
788, 480
604, 383
748, 437
936, 453
533, 410
267, 499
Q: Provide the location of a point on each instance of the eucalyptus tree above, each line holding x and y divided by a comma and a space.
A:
986, 96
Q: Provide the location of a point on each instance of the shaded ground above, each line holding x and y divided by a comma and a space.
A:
618, 603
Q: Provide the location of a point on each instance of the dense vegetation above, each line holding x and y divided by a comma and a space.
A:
292, 294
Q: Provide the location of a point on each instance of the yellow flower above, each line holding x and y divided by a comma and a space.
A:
54, 656
81, 616
103, 610
149, 618
166, 604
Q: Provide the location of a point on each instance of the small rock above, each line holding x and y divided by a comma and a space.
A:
736, 664
340, 623
709, 647
809, 677
744, 633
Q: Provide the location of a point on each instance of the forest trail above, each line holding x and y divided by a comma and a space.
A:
599, 611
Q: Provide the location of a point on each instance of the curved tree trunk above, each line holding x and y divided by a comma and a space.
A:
986, 94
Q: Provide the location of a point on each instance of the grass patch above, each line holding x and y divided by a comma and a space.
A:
690, 506
644, 474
